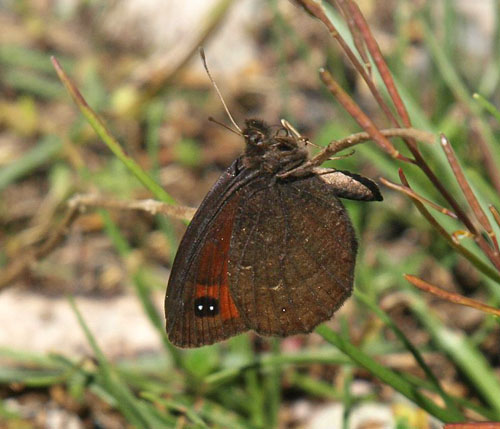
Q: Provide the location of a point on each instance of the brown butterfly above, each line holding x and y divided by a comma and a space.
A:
271, 247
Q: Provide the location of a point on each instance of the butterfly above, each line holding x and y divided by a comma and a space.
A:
271, 247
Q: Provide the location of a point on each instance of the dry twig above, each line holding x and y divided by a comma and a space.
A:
26, 257
450, 296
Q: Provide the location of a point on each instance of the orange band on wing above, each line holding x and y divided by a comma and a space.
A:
212, 279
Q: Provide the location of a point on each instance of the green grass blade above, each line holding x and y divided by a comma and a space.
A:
125, 401
44, 151
31, 377
272, 385
141, 289
410, 347
178, 407
467, 357
485, 104
100, 128
32, 83
263, 362
459, 89
387, 376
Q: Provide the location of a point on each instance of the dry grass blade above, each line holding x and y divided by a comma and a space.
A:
339, 145
477, 262
150, 206
378, 58
468, 193
355, 111
357, 138
450, 296
495, 214
411, 193
75, 93
316, 10
356, 35
23, 261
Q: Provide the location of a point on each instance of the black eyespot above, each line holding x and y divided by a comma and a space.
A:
206, 306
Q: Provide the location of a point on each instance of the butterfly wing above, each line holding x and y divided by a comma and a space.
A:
293, 264
198, 305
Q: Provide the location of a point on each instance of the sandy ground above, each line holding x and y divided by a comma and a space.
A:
118, 323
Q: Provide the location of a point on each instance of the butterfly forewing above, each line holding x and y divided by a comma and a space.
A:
198, 305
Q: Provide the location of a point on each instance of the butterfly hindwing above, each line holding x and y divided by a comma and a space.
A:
291, 273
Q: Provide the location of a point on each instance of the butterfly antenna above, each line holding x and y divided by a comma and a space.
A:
202, 55
215, 121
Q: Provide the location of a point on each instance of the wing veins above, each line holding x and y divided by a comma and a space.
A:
321, 267
285, 221
324, 266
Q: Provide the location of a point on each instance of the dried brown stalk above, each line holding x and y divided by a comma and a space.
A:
450, 296
355, 111
379, 61
477, 262
24, 259
467, 191
356, 35
336, 146
316, 10
150, 206
411, 193
359, 26
495, 214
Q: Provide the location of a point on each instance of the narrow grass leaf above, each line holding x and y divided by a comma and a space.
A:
486, 105
178, 407
387, 376
100, 128
42, 153
140, 286
411, 348
467, 357
125, 401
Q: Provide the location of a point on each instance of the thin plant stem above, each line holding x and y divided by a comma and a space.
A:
451, 297
387, 376
100, 128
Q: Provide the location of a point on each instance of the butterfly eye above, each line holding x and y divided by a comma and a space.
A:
284, 146
255, 138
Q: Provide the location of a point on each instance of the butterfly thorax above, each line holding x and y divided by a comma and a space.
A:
271, 152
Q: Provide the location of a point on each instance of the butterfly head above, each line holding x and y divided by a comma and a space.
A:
271, 151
